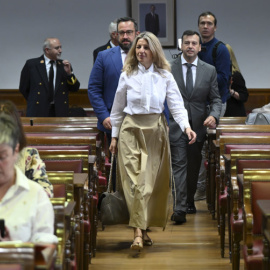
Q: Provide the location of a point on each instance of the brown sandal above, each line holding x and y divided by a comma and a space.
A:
137, 245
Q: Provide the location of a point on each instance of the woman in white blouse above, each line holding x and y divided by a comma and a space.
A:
140, 135
24, 205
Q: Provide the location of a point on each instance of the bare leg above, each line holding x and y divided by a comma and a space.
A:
138, 239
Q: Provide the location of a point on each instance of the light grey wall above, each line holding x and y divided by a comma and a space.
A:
82, 26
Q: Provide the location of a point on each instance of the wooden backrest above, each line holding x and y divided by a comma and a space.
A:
244, 158
256, 187
74, 165
22, 254
65, 155
231, 120
64, 213
63, 181
242, 140
241, 129
58, 120
62, 140
89, 128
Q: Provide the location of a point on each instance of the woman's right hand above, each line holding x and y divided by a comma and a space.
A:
113, 146
6, 237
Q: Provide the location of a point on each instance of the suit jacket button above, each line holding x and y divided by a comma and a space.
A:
38, 93
40, 83
65, 102
37, 102
62, 83
64, 93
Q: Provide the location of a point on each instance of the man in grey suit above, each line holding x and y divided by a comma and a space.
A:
202, 101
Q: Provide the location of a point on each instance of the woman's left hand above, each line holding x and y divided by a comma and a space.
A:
113, 146
191, 135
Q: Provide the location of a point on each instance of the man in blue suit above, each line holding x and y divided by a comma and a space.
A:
106, 72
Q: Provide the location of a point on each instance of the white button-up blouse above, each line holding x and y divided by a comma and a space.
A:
144, 93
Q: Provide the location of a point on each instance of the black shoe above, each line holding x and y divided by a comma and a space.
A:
179, 217
191, 209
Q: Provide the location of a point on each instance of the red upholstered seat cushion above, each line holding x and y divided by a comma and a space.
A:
64, 165
223, 200
237, 225
102, 181
259, 191
87, 226
254, 261
250, 163
59, 190
228, 147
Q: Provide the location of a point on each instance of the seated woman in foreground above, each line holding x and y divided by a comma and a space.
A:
29, 160
24, 205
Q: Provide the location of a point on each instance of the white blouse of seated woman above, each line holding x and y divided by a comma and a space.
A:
24, 205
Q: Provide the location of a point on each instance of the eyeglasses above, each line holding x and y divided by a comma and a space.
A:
128, 33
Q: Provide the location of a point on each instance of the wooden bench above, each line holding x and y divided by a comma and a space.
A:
235, 162
66, 229
231, 120
256, 187
225, 143
27, 255
264, 206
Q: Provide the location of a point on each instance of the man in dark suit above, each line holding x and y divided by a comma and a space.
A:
186, 159
111, 43
46, 81
152, 21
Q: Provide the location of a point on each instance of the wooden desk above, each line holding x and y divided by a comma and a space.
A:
265, 208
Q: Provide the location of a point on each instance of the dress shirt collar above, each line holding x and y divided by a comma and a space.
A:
21, 182
112, 45
47, 60
123, 55
143, 69
194, 63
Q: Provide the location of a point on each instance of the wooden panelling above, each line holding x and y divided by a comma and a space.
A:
257, 98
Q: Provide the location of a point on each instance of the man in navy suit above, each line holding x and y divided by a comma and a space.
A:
44, 100
106, 72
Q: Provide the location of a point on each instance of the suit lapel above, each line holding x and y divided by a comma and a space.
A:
59, 70
115, 55
199, 73
43, 72
178, 75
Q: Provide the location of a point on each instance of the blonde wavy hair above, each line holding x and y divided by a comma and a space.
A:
159, 59
235, 66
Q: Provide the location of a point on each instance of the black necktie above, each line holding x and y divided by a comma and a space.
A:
51, 87
189, 79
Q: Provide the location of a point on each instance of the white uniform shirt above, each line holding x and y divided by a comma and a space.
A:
28, 212
145, 93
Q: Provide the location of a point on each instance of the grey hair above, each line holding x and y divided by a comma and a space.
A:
9, 131
112, 27
47, 43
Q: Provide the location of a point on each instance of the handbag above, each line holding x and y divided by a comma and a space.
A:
112, 205
258, 119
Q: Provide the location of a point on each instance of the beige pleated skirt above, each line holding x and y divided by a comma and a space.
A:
144, 169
